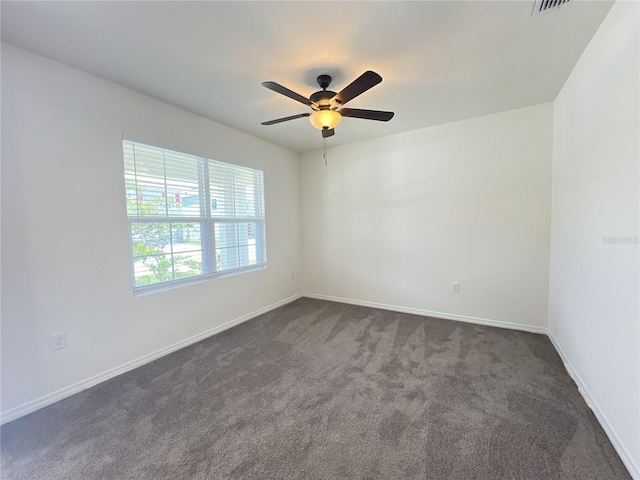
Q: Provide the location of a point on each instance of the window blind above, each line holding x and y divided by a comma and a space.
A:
191, 217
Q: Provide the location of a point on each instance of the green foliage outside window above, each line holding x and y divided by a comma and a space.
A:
152, 241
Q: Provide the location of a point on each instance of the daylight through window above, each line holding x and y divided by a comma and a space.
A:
190, 218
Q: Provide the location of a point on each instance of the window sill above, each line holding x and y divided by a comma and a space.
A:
173, 284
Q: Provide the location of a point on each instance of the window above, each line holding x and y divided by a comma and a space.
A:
190, 218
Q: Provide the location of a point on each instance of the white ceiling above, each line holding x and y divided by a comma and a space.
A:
440, 61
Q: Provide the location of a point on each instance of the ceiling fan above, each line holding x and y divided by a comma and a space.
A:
326, 103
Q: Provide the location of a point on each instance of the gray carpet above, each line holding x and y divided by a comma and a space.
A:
321, 390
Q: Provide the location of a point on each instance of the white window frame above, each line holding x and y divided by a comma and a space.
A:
208, 223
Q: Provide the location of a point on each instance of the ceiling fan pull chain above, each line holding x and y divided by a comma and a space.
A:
324, 150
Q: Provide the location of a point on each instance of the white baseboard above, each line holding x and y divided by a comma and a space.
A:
624, 455
48, 399
429, 313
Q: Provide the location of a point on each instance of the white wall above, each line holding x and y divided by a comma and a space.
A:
593, 294
65, 250
396, 220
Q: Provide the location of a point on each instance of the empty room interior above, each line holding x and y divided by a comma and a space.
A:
320, 240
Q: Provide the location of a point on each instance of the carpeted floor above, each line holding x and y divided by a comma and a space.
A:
321, 390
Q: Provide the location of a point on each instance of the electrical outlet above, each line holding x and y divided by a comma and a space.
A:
59, 340
455, 287
293, 275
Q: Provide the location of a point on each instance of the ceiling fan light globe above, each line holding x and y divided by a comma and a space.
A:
325, 118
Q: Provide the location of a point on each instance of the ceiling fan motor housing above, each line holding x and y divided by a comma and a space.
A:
323, 97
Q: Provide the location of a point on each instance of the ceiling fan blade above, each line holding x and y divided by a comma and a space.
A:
366, 114
287, 93
360, 85
286, 119
328, 133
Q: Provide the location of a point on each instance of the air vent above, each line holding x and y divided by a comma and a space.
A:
542, 6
